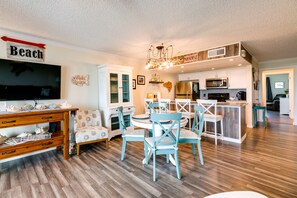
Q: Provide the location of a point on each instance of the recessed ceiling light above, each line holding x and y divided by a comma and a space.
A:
213, 68
182, 66
239, 64
231, 59
182, 71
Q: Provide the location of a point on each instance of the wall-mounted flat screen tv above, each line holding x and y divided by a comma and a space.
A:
29, 81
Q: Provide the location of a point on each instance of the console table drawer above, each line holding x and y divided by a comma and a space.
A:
18, 121
10, 151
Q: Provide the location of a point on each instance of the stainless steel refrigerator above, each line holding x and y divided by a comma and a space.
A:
187, 90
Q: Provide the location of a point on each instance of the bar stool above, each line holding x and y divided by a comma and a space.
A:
255, 109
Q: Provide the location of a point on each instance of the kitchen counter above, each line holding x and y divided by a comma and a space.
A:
234, 122
231, 104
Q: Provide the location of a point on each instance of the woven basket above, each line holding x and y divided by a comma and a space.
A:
2, 139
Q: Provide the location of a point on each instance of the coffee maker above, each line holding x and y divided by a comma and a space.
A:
241, 95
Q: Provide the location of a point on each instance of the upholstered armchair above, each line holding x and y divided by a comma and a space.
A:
88, 128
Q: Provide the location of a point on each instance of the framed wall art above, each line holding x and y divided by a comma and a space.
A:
279, 85
134, 83
140, 80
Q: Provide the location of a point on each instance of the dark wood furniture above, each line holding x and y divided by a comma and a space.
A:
58, 139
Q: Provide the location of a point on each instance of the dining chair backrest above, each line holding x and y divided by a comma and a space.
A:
147, 102
166, 122
121, 119
183, 106
166, 101
198, 122
157, 107
209, 106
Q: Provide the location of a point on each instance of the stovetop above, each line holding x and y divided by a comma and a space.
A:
221, 97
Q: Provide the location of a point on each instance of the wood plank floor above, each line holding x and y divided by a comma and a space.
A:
266, 162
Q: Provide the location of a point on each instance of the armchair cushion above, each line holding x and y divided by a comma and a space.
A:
90, 133
88, 126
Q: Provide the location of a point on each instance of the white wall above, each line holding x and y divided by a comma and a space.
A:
141, 91
282, 64
73, 61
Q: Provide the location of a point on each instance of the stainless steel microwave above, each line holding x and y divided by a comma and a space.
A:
217, 83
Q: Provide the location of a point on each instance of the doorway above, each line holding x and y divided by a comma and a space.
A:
278, 95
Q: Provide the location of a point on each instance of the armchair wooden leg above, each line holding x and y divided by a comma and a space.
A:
77, 149
106, 142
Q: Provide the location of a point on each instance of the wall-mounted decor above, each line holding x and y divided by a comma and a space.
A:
140, 80
24, 50
279, 85
80, 80
168, 85
134, 83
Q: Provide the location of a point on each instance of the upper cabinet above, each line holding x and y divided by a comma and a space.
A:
115, 87
237, 77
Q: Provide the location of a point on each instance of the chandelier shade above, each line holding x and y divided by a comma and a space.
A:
159, 57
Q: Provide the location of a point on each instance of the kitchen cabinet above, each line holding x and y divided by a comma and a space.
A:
115, 89
188, 77
237, 78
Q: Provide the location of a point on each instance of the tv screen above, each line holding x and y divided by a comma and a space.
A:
29, 81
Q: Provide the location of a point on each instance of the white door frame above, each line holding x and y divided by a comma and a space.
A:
289, 71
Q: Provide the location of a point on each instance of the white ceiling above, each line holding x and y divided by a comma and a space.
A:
267, 28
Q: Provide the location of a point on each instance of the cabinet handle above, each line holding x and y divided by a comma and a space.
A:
47, 117
46, 144
6, 122
8, 152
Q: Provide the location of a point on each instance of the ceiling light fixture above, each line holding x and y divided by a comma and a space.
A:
159, 57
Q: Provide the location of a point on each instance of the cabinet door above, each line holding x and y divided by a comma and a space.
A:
125, 88
114, 88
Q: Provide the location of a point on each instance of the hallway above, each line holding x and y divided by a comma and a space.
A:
276, 118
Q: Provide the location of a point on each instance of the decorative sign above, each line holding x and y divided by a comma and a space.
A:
189, 58
24, 50
168, 85
80, 80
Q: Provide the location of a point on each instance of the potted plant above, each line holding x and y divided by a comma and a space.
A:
287, 93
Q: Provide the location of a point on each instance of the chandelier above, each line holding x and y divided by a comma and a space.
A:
159, 57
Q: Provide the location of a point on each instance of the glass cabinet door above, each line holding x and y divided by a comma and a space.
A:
114, 91
126, 90
115, 125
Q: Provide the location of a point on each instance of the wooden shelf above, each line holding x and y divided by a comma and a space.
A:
156, 82
60, 138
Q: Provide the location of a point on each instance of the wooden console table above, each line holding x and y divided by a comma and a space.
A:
59, 138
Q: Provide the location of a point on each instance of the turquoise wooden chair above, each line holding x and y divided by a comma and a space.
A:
167, 143
158, 108
193, 136
130, 135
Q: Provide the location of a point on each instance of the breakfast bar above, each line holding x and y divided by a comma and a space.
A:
234, 122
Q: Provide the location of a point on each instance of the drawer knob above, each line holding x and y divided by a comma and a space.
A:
47, 117
48, 143
8, 152
7, 122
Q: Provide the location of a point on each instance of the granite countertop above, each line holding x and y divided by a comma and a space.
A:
231, 104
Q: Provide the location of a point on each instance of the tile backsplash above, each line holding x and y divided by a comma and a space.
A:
232, 92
